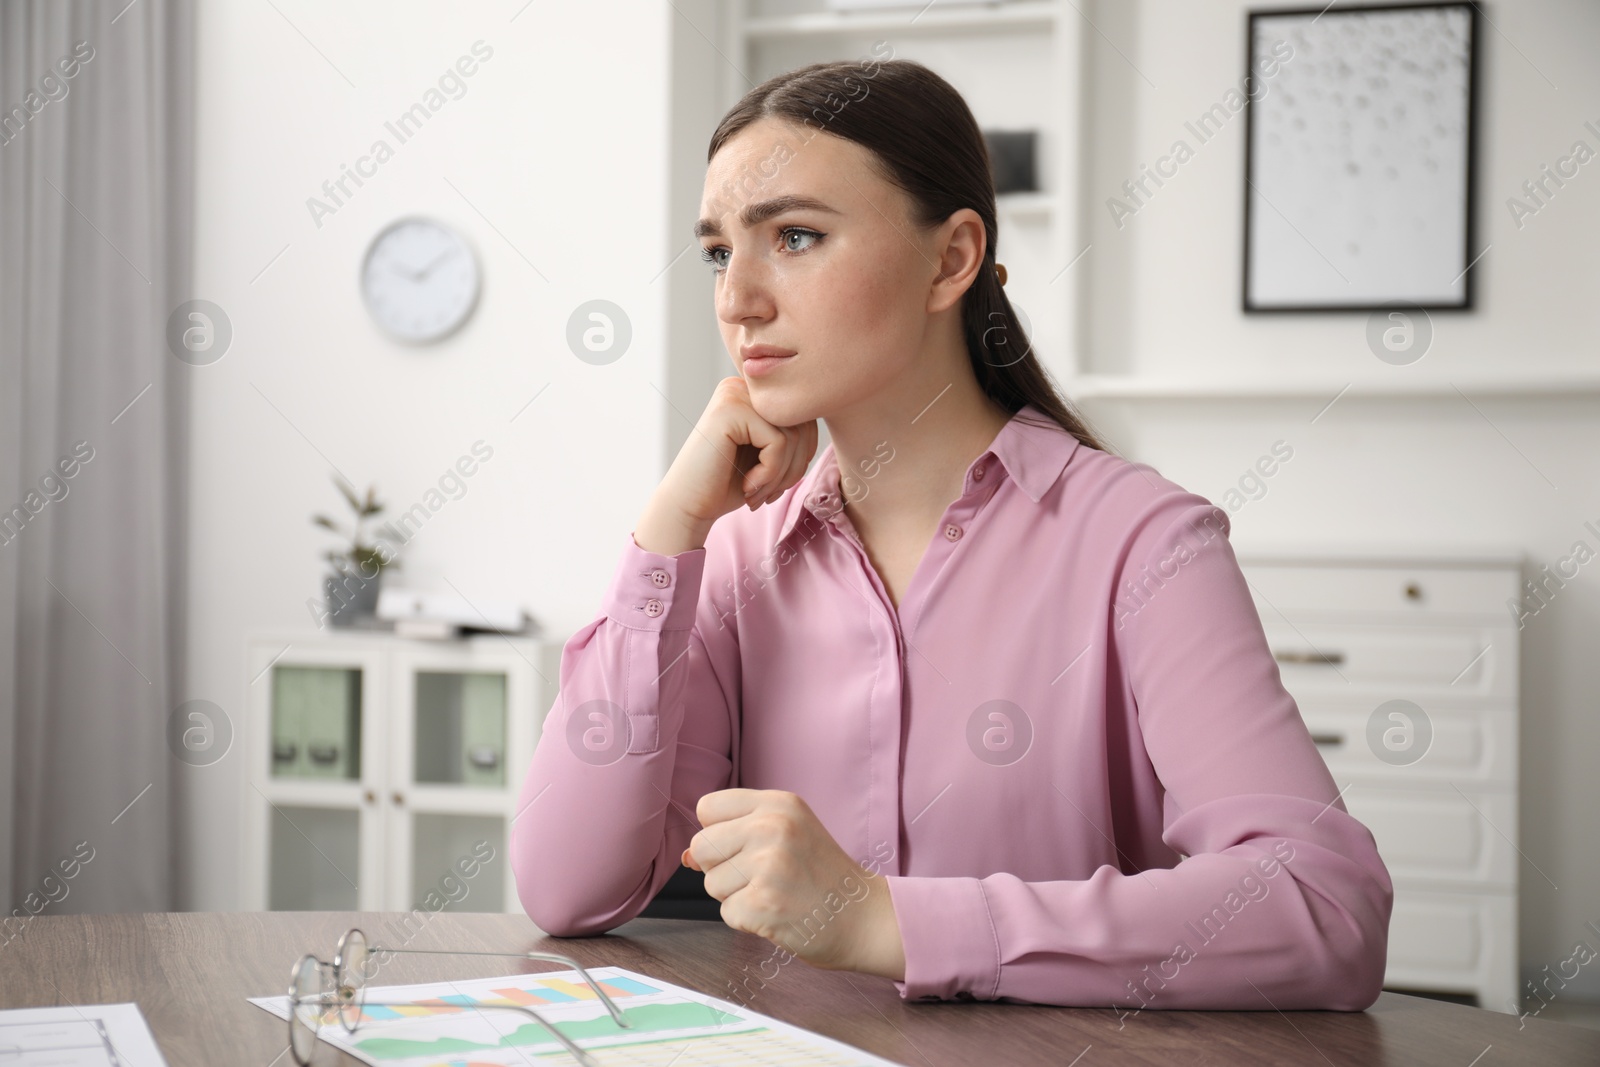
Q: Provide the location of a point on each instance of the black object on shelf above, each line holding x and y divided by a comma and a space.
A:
1011, 160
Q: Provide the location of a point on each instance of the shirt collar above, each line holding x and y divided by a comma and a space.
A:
1032, 455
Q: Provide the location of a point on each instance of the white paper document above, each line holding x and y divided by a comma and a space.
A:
89, 1035
448, 1023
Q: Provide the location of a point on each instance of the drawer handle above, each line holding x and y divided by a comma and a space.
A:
1291, 655
284, 751
1327, 739
484, 757
323, 753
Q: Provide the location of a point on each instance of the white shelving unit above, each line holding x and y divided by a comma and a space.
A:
384, 771
909, 20
1017, 65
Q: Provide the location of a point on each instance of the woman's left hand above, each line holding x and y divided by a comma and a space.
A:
781, 875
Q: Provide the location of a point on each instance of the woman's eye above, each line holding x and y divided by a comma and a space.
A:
795, 231
710, 256
787, 236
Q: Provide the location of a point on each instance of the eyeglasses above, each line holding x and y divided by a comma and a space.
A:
319, 991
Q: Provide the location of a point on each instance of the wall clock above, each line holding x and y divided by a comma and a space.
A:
420, 280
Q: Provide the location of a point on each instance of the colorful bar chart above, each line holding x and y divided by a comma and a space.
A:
531, 994
486, 1022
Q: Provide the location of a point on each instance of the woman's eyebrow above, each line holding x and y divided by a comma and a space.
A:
761, 211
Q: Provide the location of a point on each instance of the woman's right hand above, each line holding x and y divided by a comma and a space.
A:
731, 449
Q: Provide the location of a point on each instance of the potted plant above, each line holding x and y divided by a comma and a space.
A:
352, 589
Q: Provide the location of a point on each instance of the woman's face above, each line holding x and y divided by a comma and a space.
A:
844, 282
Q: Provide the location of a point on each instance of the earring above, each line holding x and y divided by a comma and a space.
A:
1000, 269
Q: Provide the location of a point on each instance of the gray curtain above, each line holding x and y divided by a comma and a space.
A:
95, 221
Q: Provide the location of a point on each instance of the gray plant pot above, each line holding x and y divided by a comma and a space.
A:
351, 600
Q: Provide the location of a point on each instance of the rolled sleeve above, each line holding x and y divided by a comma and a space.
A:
949, 938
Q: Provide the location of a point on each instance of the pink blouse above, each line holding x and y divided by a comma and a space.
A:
1068, 752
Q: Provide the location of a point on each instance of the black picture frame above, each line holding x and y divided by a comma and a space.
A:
1251, 302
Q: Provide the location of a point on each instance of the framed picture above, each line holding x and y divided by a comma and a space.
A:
1359, 157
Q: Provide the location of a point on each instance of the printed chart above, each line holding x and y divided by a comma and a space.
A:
477, 1024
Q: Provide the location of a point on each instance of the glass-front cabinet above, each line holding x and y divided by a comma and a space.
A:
384, 771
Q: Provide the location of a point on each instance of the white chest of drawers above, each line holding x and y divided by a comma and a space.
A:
1433, 775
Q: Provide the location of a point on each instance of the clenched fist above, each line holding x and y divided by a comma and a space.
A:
782, 876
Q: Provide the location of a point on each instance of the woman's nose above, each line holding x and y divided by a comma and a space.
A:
746, 291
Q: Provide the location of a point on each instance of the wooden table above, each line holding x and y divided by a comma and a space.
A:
191, 972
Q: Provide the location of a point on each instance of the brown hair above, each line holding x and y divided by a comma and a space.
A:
927, 143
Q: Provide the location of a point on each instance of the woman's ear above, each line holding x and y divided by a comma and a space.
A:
959, 247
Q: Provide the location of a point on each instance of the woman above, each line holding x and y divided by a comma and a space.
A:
972, 703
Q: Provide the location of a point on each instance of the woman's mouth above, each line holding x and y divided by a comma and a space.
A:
759, 360
764, 365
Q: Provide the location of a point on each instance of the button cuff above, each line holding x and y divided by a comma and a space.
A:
650, 591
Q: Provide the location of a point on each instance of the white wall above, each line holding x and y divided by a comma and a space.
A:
560, 141
1162, 298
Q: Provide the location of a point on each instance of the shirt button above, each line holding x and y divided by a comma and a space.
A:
660, 578
952, 532
652, 607
977, 473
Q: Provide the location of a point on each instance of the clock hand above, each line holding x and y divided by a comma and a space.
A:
427, 269
434, 262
